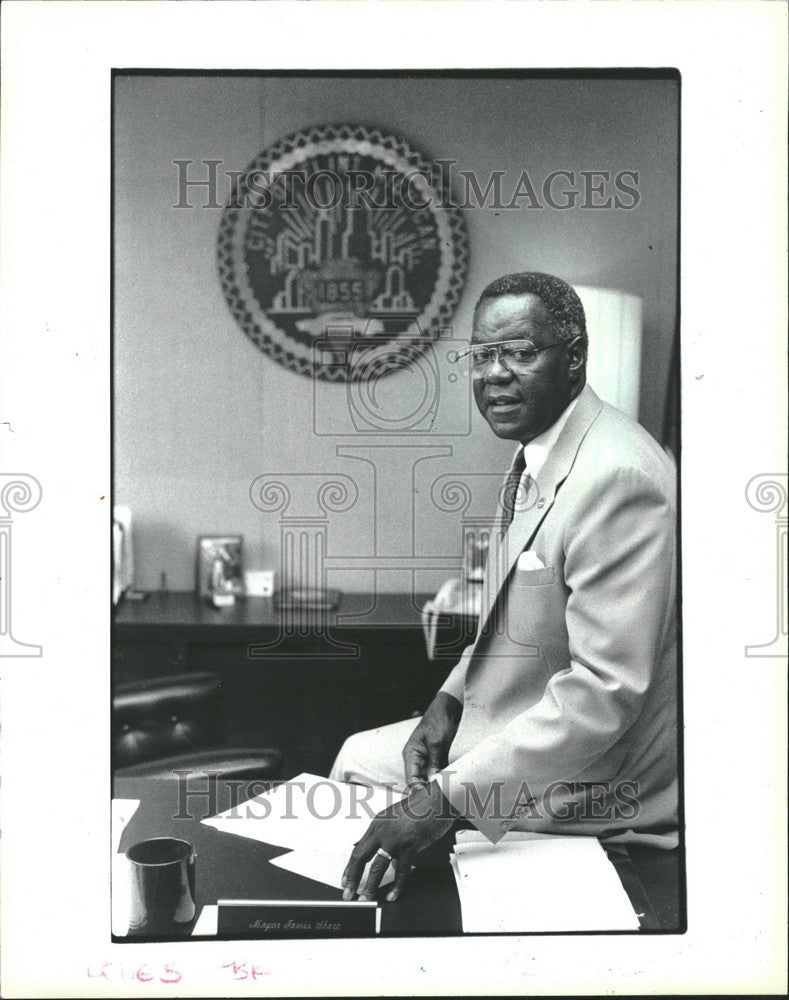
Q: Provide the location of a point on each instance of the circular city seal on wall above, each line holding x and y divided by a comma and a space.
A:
340, 252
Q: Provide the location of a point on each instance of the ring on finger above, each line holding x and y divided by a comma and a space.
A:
381, 853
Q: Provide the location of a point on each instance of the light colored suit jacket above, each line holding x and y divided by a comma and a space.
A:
569, 720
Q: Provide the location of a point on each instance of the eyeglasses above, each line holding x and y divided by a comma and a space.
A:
517, 356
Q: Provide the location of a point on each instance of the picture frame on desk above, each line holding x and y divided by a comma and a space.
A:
219, 566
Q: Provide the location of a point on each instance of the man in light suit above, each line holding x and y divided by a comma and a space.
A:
561, 715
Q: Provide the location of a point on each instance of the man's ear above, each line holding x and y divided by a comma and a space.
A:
576, 354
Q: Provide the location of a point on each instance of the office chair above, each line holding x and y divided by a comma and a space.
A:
177, 722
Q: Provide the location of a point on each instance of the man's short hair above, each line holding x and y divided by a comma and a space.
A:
559, 298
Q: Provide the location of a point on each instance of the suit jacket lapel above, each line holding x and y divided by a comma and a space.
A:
538, 500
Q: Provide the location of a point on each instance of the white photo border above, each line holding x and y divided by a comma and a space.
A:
56, 63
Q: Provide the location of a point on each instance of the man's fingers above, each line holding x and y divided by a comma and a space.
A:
403, 870
415, 759
438, 759
354, 870
377, 871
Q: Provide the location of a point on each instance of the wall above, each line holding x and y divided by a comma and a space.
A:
200, 411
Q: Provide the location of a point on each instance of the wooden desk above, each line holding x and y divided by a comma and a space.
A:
303, 683
232, 867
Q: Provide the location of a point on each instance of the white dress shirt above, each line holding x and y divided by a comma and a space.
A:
536, 451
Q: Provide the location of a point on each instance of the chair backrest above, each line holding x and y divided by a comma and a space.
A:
166, 716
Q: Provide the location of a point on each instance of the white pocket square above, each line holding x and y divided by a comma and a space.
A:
528, 560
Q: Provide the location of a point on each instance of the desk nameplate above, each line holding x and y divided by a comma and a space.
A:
292, 918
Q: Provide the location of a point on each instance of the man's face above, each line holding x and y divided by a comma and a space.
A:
522, 406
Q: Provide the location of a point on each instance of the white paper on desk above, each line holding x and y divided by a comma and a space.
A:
476, 837
208, 921
122, 811
453, 861
543, 884
307, 812
324, 866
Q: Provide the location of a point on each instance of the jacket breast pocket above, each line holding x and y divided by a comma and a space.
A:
534, 577
535, 611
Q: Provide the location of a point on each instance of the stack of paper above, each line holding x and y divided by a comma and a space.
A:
538, 882
319, 819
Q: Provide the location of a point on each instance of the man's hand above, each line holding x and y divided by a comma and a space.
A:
426, 751
396, 836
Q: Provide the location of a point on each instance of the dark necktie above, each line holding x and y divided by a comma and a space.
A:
509, 494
